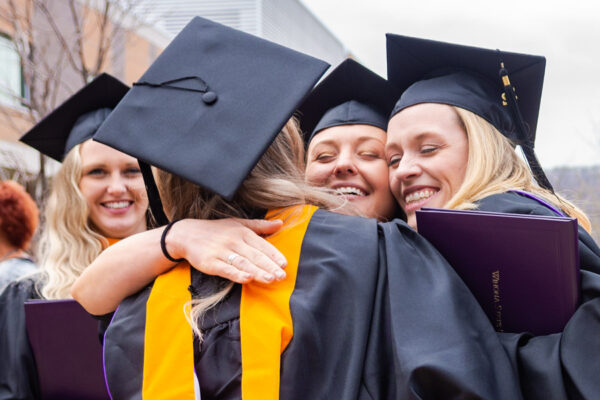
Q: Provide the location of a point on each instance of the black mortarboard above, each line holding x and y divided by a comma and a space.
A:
350, 94
211, 104
77, 119
503, 88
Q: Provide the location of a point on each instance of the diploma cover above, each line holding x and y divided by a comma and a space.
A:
68, 354
523, 269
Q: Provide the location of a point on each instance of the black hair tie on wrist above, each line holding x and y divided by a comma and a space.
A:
163, 245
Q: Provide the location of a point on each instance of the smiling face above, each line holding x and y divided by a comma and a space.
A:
350, 159
427, 150
112, 184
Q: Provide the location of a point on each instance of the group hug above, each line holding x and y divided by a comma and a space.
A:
244, 228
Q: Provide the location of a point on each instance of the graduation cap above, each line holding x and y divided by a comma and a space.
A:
210, 105
77, 119
350, 94
503, 88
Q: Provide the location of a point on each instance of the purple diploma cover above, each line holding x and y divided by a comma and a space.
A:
522, 269
68, 354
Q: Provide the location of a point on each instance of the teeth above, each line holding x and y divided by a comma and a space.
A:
420, 195
348, 190
116, 204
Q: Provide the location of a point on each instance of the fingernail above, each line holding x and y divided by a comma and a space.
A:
246, 276
280, 275
282, 263
268, 277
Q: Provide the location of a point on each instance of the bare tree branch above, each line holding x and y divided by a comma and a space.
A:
59, 36
77, 23
104, 42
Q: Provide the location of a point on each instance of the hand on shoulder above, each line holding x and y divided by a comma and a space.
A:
230, 248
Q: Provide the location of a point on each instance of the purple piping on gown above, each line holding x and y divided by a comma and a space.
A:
103, 354
531, 196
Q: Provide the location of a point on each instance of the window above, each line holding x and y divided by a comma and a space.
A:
11, 75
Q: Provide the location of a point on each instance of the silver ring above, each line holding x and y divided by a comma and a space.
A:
232, 257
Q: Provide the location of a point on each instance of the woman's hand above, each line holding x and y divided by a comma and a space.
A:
230, 248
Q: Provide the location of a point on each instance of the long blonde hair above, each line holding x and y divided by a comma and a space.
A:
68, 243
494, 167
276, 181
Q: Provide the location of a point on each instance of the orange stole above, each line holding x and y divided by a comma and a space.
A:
265, 317
265, 324
168, 339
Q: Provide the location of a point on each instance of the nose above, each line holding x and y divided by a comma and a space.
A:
345, 164
406, 170
116, 185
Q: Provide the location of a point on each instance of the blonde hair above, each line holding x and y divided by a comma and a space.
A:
68, 243
276, 181
494, 167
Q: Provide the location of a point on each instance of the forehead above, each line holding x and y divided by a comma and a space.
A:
97, 153
348, 134
423, 119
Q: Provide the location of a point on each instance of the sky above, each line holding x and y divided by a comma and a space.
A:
566, 33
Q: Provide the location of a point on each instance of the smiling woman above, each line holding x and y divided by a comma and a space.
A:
451, 144
350, 159
344, 120
97, 197
112, 186
427, 154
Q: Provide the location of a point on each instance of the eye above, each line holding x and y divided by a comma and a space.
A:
132, 171
370, 154
429, 149
324, 157
96, 172
394, 160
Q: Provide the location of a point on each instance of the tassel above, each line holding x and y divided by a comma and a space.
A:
510, 99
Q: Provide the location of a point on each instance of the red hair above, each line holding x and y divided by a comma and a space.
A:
18, 214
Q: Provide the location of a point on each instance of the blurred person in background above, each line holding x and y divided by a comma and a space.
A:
19, 217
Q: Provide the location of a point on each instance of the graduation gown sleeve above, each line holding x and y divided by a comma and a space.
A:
374, 313
18, 377
562, 365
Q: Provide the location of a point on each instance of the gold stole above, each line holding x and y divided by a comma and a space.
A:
265, 323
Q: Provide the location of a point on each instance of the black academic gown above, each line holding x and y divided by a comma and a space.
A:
563, 365
18, 376
377, 314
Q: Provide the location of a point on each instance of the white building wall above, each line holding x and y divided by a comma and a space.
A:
290, 23
287, 22
238, 14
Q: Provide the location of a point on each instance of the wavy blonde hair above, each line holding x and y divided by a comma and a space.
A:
494, 167
276, 181
68, 243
